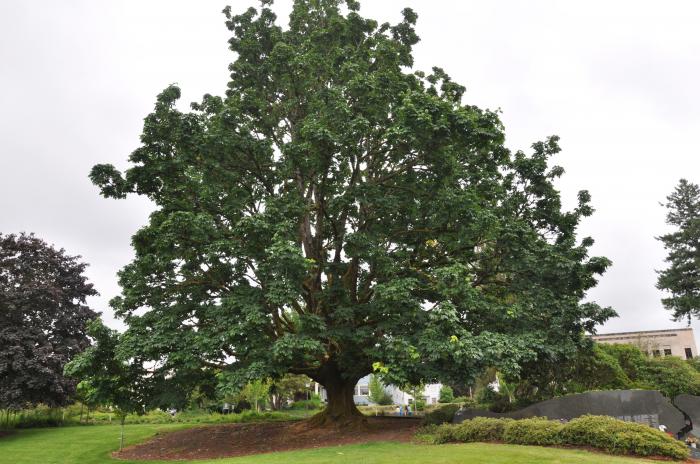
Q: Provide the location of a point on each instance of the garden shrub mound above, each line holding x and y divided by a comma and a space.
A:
441, 414
618, 437
534, 431
217, 441
600, 432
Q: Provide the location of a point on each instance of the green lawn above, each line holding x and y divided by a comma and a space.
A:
92, 444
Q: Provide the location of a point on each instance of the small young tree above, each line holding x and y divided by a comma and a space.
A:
109, 379
416, 391
86, 394
377, 392
446, 394
256, 391
682, 277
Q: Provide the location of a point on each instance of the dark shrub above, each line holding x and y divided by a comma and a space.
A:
241, 406
441, 415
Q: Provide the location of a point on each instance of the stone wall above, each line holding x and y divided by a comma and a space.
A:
643, 406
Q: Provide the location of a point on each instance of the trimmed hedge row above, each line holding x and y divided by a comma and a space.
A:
601, 432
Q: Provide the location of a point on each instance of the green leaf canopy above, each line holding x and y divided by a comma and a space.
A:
337, 211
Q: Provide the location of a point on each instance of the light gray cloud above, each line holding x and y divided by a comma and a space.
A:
616, 80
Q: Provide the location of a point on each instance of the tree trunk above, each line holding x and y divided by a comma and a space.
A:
341, 410
121, 437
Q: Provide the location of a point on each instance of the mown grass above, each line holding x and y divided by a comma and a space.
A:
93, 445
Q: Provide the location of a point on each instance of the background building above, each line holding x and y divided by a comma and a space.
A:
431, 393
671, 342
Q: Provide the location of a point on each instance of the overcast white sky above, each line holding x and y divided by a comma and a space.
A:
618, 81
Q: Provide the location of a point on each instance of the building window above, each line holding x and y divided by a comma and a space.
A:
656, 353
667, 352
688, 353
363, 390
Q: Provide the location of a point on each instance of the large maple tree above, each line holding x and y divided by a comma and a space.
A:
337, 213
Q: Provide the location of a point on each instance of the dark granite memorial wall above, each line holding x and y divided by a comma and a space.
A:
643, 406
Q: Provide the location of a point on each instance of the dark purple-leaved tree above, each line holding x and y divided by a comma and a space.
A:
43, 319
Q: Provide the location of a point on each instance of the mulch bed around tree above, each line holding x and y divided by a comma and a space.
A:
217, 441
4, 433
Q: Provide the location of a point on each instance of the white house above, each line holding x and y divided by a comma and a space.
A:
430, 395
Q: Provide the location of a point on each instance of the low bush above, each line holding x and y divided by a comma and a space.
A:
479, 429
441, 415
618, 437
41, 416
198, 417
466, 402
313, 403
601, 432
535, 431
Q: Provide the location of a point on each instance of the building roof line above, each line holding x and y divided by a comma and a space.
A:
643, 332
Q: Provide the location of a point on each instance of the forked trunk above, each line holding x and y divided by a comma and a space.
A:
340, 410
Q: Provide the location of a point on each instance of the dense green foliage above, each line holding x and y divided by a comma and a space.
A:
313, 403
602, 432
615, 436
288, 389
336, 209
479, 429
440, 415
534, 431
446, 394
682, 277
377, 392
255, 392
112, 379
626, 366
39, 416
43, 320
604, 367
93, 445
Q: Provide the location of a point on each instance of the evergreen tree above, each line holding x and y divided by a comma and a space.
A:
377, 392
682, 277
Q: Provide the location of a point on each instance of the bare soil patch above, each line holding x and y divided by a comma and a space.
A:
218, 441
4, 433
